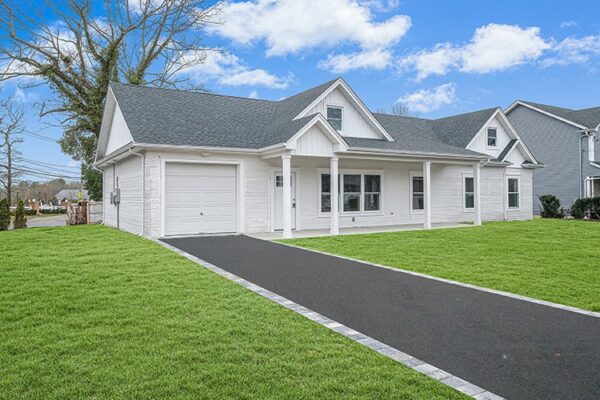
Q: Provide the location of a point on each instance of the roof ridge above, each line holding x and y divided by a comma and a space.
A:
466, 113
401, 116
191, 92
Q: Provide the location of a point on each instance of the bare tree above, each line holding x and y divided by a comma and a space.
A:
398, 108
69, 46
401, 109
11, 126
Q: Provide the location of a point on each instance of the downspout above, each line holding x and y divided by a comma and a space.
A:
143, 157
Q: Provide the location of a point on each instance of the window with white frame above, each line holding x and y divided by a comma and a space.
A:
358, 192
469, 189
417, 193
372, 192
513, 193
351, 193
492, 137
325, 193
334, 117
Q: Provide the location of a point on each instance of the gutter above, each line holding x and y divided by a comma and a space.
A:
416, 154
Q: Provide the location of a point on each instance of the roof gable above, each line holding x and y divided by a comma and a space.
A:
341, 86
585, 119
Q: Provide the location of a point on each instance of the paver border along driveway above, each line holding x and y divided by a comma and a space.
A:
514, 348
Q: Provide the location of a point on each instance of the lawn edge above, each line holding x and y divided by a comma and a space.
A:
405, 359
515, 296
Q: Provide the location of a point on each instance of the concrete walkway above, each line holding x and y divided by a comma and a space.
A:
514, 348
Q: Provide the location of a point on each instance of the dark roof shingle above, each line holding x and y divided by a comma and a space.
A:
174, 117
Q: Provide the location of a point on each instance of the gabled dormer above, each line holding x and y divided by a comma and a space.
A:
346, 113
500, 140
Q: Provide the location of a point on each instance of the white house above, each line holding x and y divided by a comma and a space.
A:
186, 163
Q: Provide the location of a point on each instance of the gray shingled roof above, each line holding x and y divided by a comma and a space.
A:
174, 117
588, 117
506, 150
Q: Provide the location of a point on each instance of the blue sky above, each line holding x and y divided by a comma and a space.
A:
438, 57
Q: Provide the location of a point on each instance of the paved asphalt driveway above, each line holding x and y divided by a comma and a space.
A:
514, 348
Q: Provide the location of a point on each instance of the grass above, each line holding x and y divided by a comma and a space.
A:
553, 260
90, 312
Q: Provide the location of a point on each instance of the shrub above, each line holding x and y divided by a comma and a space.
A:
20, 221
579, 208
586, 208
551, 206
594, 207
4, 215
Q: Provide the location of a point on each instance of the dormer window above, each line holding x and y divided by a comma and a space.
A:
492, 137
334, 117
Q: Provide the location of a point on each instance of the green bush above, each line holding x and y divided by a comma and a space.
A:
586, 208
54, 211
20, 221
551, 207
4, 215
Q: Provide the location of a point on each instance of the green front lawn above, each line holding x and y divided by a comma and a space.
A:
90, 312
554, 260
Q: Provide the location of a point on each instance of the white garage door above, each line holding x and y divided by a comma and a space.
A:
199, 198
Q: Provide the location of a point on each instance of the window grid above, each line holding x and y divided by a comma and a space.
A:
513, 193
469, 186
492, 137
418, 194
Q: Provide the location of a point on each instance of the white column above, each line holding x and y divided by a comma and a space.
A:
287, 195
334, 197
427, 193
477, 193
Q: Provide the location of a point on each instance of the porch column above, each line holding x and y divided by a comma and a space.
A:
427, 193
287, 195
334, 196
477, 193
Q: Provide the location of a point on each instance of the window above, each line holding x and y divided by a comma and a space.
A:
492, 137
418, 199
513, 192
372, 192
334, 117
469, 192
325, 193
279, 181
357, 192
351, 193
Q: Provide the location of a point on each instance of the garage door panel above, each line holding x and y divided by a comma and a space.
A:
200, 198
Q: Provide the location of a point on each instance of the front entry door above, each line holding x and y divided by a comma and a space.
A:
278, 201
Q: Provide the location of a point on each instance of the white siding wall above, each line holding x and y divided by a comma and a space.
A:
256, 176
314, 143
129, 172
447, 192
353, 123
479, 144
119, 132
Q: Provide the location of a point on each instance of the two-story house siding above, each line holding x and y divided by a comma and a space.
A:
567, 147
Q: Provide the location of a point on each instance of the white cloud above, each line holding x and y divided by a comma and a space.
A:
427, 100
253, 94
228, 70
291, 26
568, 24
493, 47
369, 59
574, 51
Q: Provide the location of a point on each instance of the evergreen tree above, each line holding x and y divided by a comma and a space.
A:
20, 221
4, 215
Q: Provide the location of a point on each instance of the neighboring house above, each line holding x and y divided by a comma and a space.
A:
565, 140
181, 163
71, 195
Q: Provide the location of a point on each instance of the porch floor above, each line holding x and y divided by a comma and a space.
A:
356, 231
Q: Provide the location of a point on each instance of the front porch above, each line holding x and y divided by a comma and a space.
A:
277, 235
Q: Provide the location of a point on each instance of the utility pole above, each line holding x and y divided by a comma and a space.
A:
11, 124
